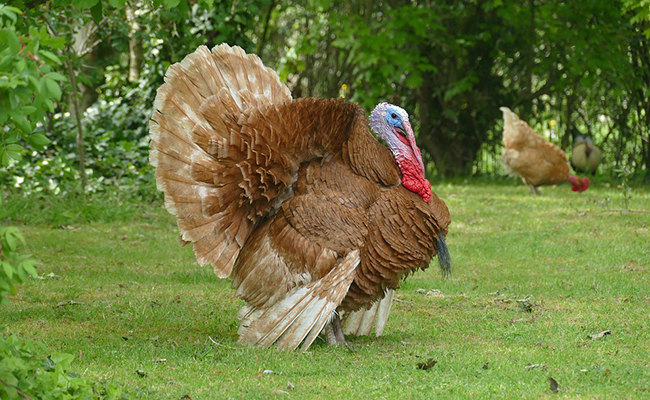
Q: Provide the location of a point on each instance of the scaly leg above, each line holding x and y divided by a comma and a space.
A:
334, 332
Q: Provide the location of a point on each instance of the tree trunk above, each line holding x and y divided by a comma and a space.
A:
568, 123
135, 44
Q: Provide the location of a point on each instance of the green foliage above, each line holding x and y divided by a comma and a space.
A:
67, 209
16, 267
29, 84
26, 373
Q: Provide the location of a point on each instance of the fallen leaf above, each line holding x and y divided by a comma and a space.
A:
525, 304
187, 396
600, 335
427, 365
51, 275
607, 373
160, 360
290, 386
69, 303
554, 386
279, 391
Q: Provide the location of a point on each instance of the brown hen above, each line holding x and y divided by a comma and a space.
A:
529, 155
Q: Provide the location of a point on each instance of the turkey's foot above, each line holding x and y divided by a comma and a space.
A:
334, 333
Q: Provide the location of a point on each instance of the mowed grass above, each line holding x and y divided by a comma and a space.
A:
122, 296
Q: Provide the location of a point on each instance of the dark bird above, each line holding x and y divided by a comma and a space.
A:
294, 199
586, 156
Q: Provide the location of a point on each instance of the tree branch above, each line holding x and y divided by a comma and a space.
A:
23, 395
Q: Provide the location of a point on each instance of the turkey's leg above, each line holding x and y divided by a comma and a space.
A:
334, 332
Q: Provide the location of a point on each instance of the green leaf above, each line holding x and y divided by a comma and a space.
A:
55, 76
119, 4
28, 265
54, 41
38, 141
9, 137
53, 88
11, 242
50, 56
62, 359
4, 157
96, 12
8, 268
20, 66
9, 12
49, 104
169, 4
5, 60
14, 151
84, 4
11, 39
26, 110
22, 123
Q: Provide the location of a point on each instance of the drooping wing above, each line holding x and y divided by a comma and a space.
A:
303, 312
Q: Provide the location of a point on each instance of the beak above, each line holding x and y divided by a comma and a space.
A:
401, 131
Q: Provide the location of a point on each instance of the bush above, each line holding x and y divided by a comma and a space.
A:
16, 267
25, 372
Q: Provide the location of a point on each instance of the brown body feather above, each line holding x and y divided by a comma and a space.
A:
294, 199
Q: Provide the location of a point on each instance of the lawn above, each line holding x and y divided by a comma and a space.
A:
133, 306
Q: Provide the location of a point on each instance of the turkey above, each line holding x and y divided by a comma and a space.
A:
310, 216
537, 161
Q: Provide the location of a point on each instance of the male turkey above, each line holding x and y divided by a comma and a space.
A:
293, 199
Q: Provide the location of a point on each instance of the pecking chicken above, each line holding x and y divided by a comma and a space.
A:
294, 199
537, 161
586, 156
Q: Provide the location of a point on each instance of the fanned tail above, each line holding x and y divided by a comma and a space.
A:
202, 163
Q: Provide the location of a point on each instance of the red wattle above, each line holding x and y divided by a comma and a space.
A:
413, 179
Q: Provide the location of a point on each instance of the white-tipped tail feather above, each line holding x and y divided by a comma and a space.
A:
304, 311
361, 322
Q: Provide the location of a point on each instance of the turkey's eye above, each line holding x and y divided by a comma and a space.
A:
393, 116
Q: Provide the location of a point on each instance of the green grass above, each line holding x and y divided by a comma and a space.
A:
143, 298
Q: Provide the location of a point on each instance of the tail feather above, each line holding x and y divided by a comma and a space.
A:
444, 259
198, 150
304, 311
361, 322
